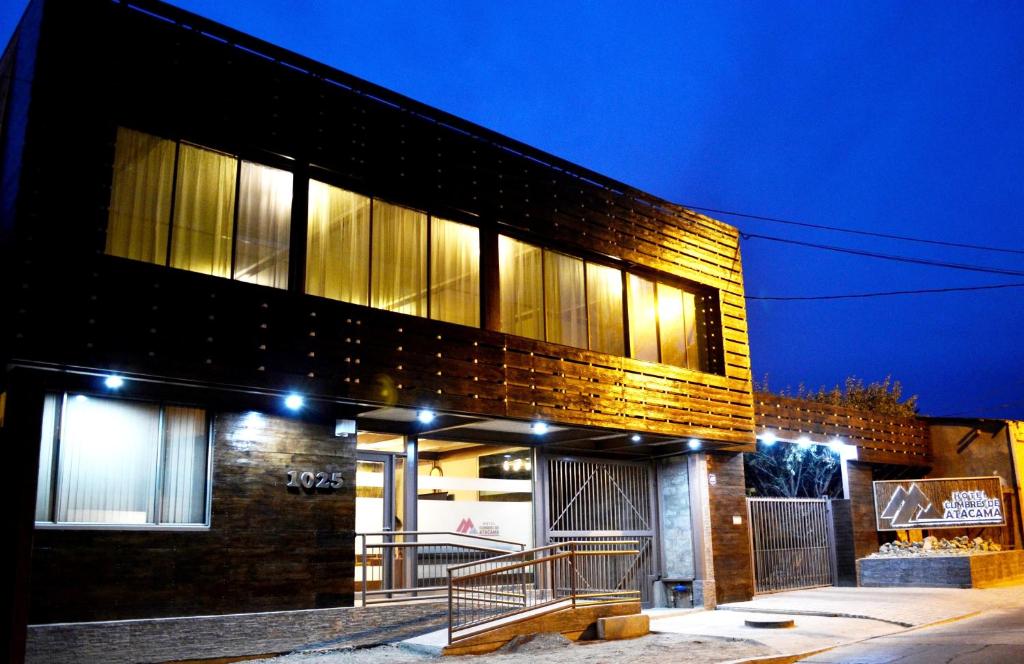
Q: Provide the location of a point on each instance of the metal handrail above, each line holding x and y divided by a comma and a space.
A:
411, 570
444, 532
538, 581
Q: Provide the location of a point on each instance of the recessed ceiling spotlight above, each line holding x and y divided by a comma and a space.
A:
768, 438
694, 444
294, 401
539, 428
635, 438
113, 382
803, 442
425, 416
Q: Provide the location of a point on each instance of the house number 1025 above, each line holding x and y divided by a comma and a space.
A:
308, 479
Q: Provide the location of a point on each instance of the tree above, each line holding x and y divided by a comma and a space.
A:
881, 397
785, 470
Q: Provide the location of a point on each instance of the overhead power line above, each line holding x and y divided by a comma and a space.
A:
888, 257
853, 231
881, 294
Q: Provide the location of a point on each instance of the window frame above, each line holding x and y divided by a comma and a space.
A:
429, 219
58, 433
260, 159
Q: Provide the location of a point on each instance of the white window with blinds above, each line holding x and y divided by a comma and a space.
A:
116, 463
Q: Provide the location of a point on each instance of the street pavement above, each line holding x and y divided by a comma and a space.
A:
993, 637
831, 617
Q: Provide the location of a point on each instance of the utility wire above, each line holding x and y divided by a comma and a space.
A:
888, 257
881, 294
853, 231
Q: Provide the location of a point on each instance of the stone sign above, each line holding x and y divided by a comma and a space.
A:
941, 503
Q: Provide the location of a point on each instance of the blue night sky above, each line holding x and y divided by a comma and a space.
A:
893, 117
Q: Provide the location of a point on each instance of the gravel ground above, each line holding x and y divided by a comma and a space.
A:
650, 649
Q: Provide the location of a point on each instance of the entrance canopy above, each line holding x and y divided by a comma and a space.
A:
553, 437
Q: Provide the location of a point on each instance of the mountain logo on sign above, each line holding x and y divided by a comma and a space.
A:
907, 507
466, 527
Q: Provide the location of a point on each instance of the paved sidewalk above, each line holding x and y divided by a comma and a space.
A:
828, 617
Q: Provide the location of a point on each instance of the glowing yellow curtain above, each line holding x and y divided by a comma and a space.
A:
264, 225
565, 306
204, 208
522, 288
604, 309
398, 265
454, 272
140, 197
677, 321
643, 319
338, 244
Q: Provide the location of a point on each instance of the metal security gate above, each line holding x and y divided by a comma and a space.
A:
792, 544
594, 500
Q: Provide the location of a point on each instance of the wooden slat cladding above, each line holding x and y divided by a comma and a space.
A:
130, 316
261, 102
878, 438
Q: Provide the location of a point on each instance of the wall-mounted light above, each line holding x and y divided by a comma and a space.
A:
694, 444
635, 438
113, 382
425, 416
539, 428
803, 442
836, 445
768, 438
294, 401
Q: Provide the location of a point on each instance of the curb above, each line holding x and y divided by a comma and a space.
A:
795, 657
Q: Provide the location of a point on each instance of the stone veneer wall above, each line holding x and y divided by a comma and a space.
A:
676, 527
238, 635
973, 571
268, 548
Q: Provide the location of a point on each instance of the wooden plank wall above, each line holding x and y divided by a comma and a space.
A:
878, 438
163, 322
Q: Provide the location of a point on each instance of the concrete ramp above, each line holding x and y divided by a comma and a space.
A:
572, 623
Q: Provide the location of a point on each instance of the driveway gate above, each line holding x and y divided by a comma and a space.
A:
792, 543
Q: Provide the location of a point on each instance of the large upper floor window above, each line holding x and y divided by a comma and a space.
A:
182, 205
366, 251
112, 462
554, 297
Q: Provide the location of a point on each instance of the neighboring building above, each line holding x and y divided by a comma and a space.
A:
197, 225
974, 447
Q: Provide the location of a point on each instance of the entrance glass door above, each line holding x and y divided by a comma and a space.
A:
379, 510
